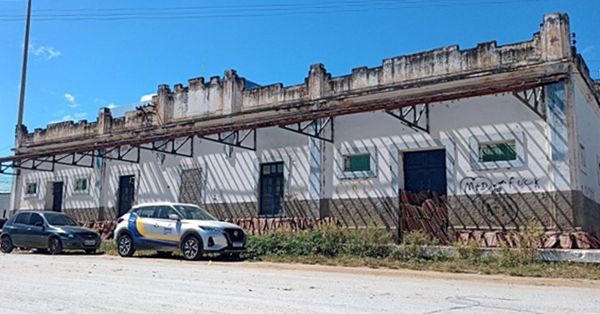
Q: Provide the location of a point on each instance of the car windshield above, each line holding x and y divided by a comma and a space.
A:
194, 213
60, 220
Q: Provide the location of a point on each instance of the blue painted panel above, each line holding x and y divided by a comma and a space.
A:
425, 171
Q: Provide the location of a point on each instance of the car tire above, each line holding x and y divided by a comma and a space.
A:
54, 246
191, 248
6, 245
125, 246
89, 252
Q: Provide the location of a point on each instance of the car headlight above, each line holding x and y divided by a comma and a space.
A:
68, 235
208, 228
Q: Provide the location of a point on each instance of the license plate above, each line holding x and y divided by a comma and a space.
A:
89, 242
238, 244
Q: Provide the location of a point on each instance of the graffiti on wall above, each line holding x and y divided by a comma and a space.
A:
481, 184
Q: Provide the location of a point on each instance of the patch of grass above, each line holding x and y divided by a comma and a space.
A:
536, 269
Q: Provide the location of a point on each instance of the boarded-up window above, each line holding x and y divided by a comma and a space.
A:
190, 190
497, 151
360, 162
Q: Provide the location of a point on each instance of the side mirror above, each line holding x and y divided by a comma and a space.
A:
173, 217
39, 224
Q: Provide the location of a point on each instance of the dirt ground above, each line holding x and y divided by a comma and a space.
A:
36, 283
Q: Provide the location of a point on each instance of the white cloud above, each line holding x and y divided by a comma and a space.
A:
71, 100
147, 97
47, 53
72, 117
588, 49
112, 106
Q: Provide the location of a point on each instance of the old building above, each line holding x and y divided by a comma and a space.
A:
508, 133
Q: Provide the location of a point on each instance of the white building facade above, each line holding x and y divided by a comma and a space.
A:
502, 153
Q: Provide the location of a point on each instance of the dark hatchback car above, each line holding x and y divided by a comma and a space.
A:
52, 231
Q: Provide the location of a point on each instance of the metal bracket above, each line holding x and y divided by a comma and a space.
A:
415, 117
171, 147
75, 160
121, 153
313, 128
35, 164
234, 138
534, 99
5, 168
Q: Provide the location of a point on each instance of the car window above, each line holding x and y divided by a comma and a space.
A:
59, 219
22, 218
193, 212
164, 212
36, 219
146, 212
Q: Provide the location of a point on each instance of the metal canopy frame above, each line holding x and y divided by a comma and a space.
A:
313, 128
289, 114
75, 160
121, 153
534, 99
172, 147
34, 164
234, 138
415, 117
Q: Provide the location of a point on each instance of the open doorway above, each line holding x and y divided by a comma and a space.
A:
126, 194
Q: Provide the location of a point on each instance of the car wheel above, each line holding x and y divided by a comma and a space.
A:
90, 251
54, 246
6, 245
125, 245
191, 248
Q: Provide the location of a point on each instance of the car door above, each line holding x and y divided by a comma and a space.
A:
18, 229
168, 228
146, 223
35, 233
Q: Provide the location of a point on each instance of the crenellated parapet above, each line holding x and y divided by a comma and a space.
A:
232, 95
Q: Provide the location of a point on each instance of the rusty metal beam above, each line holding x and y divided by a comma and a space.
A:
391, 98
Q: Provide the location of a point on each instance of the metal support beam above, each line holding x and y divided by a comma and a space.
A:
34, 164
234, 138
75, 160
415, 117
172, 147
120, 151
313, 128
534, 99
5, 168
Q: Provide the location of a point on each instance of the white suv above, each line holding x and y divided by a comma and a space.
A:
167, 227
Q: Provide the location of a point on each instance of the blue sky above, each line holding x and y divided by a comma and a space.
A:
111, 53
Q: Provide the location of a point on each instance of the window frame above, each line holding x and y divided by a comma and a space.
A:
477, 140
87, 185
345, 151
37, 189
512, 143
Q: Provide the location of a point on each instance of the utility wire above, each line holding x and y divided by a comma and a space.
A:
238, 11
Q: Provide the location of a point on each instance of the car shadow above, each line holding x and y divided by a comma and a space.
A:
205, 258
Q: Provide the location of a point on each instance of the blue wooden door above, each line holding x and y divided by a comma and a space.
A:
425, 171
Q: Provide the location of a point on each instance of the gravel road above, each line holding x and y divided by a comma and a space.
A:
34, 283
